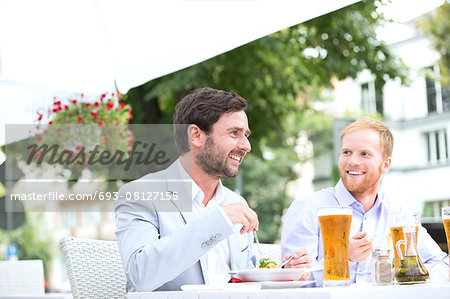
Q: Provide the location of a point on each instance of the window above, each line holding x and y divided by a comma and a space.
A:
438, 95
437, 146
69, 219
432, 209
371, 98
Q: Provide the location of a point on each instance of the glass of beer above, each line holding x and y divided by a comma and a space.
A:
446, 220
397, 222
335, 225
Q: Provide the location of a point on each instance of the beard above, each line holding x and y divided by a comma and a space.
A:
214, 162
370, 181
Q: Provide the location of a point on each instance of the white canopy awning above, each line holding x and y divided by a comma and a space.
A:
86, 45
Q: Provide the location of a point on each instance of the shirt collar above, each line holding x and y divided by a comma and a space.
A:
217, 200
345, 198
197, 193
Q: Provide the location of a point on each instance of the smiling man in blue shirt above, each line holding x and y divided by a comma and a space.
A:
366, 150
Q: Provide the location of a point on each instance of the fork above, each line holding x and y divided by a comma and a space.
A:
257, 243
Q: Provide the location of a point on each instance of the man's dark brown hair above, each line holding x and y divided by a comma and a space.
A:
203, 107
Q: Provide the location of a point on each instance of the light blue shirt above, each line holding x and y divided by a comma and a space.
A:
301, 229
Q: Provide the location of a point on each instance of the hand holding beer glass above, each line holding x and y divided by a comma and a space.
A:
446, 220
335, 223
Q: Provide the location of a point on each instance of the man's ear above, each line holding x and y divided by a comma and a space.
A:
196, 136
386, 165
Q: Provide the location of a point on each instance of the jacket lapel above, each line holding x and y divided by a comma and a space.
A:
182, 185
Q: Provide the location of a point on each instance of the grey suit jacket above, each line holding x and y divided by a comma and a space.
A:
160, 250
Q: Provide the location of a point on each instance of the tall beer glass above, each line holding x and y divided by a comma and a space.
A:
446, 220
396, 222
335, 225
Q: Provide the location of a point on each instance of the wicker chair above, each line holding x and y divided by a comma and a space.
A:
94, 267
271, 251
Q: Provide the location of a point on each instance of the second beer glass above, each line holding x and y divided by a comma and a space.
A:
335, 223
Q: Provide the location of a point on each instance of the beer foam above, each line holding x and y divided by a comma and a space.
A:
334, 211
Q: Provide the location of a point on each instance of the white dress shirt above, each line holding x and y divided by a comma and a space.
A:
218, 258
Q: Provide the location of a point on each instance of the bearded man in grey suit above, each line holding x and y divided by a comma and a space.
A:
160, 250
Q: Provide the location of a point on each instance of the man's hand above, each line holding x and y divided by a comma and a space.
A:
360, 247
242, 214
301, 260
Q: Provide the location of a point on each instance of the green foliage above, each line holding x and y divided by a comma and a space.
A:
33, 240
264, 182
282, 76
436, 27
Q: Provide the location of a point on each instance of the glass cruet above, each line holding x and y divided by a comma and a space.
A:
411, 269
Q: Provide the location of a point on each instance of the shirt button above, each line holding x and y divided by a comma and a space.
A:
209, 242
204, 245
218, 237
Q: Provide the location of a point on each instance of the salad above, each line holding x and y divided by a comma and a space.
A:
267, 263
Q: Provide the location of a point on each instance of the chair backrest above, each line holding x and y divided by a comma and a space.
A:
271, 251
94, 267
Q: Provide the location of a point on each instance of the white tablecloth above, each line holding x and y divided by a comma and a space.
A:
356, 291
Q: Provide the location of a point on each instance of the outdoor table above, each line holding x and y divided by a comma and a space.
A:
356, 291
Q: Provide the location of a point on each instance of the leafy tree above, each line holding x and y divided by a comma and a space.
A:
282, 76
436, 27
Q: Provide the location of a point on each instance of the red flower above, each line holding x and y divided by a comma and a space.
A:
100, 124
57, 103
50, 122
75, 101
122, 106
96, 104
109, 105
94, 115
78, 147
39, 138
75, 164
66, 107
117, 123
130, 142
87, 105
85, 165
102, 97
130, 116
40, 117
105, 139
79, 118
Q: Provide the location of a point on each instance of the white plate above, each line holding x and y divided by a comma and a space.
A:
271, 274
222, 287
280, 284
